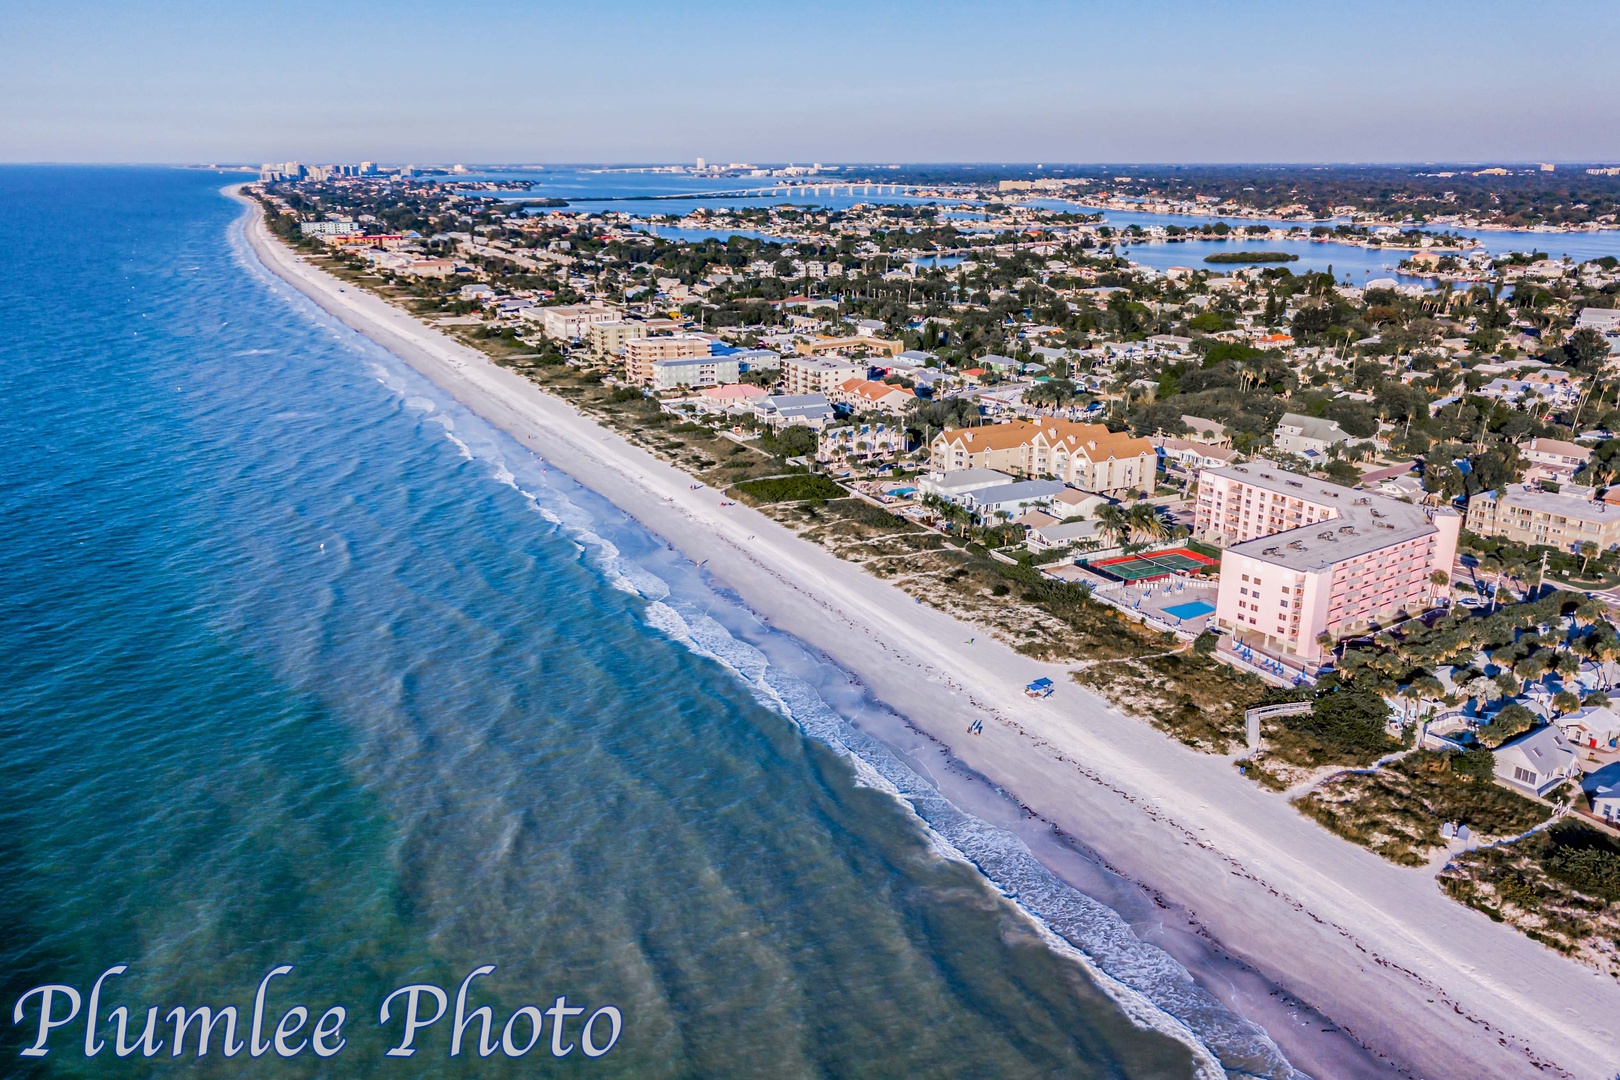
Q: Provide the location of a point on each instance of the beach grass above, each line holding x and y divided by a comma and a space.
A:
1559, 887
1397, 811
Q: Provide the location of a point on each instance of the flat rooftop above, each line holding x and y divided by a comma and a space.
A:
1366, 521
1552, 502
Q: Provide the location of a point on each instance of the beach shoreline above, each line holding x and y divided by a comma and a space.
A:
1426, 982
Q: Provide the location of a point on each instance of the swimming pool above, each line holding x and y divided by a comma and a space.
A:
1192, 609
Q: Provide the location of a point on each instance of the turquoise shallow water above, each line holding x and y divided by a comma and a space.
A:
306, 665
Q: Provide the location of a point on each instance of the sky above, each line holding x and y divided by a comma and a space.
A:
810, 80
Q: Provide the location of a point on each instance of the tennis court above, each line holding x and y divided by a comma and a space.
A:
1151, 567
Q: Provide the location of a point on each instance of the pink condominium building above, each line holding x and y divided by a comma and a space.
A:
1305, 557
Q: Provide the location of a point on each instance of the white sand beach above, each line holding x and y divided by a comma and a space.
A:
1436, 987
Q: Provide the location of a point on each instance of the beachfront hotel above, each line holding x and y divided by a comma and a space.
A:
1088, 456
1305, 557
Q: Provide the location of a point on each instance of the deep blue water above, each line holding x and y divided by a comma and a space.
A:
307, 665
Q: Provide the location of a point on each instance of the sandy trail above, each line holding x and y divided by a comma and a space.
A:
1432, 986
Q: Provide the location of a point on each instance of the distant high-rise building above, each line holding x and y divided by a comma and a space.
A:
701, 165
280, 170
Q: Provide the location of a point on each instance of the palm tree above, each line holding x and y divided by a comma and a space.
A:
1588, 549
1144, 522
1111, 522
1491, 565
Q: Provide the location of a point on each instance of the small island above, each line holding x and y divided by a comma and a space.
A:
1251, 257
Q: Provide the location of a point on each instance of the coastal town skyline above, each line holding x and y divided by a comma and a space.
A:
1306, 470
1250, 82
927, 539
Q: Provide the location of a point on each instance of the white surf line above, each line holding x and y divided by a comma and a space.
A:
1377, 947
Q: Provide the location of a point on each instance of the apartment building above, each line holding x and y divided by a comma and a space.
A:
609, 338
862, 442
1088, 456
1526, 514
336, 227
1308, 557
693, 371
820, 374
640, 354
571, 321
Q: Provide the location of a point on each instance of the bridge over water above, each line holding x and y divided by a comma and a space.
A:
829, 190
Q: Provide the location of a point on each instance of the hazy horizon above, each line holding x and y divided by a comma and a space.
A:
1248, 82
1050, 166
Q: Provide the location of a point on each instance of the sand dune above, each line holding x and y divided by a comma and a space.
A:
1432, 985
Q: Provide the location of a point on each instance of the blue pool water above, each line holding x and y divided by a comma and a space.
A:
1192, 609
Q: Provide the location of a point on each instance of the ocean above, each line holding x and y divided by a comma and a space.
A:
308, 666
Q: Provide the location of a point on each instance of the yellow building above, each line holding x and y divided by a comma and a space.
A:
610, 338
640, 354
1088, 456
1526, 514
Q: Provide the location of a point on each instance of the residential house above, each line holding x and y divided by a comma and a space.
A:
785, 410
1073, 503
1602, 788
1553, 459
1537, 761
1046, 537
1009, 500
730, 398
949, 485
909, 360
1596, 727
1206, 431
1187, 456
1526, 393
1308, 436
997, 363
864, 395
